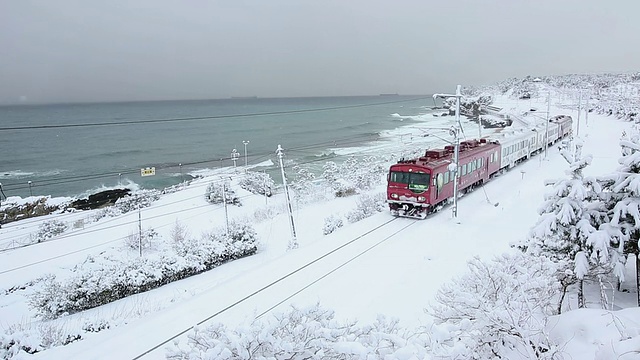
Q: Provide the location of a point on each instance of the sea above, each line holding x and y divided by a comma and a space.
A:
73, 150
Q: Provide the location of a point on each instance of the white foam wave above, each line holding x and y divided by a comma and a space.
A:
126, 183
19, 174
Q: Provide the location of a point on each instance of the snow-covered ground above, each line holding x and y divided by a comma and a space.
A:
394, 268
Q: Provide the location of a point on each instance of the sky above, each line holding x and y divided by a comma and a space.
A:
78, 51
386, 279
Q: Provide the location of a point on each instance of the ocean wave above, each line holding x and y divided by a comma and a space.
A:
126, 183
19, 174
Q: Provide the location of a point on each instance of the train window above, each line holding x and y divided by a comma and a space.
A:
418, 181
473, 166
399, 177
446, 177
479, 163
495, 157
464, 170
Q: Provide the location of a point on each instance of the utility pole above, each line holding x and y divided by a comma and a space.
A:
245, 142
224, 201
1, 195
546, 125
455, 131
579, 110
293, 244
265, 188
30, 191
139, 225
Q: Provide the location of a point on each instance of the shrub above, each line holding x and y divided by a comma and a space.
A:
215, 191
49, 229
133, 241
308, 333
140, 199
331, 224
101, 280
257, 183
366, 206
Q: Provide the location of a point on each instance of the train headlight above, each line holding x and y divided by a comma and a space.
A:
421, 198
394, 196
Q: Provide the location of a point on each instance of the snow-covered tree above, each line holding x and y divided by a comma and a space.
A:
257, 183
307, 333
570, 214
215, 191
332, 175
496, 310
624, 187
302, 183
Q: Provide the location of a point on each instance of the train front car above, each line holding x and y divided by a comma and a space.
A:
408, 189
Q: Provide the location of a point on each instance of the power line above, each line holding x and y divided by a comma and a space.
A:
151, 121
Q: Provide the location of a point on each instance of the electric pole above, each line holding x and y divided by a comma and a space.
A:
245, 142
224, 201
293, 244
546, 125
579, 111
455, 131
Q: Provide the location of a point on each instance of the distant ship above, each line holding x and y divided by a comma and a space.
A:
394, 94
244, 97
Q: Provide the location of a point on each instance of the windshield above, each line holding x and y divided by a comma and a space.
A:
416, 181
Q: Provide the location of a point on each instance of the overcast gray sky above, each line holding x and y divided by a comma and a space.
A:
65, 50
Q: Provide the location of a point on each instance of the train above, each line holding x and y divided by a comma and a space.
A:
420, 186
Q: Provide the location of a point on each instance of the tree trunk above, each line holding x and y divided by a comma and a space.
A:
580, 293
564, 292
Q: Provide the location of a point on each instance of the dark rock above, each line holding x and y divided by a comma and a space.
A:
101, 199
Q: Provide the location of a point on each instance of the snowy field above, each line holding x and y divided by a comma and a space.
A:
395, 267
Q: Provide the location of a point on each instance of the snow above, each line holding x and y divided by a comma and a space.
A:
383, 266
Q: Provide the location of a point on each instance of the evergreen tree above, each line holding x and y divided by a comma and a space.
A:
624, 186
570, 214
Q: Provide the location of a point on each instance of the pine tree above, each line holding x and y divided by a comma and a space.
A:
625, 204
570, 214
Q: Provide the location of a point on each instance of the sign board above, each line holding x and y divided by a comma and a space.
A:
148, 171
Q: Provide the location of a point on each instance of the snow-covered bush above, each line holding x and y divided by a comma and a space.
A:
366, 206
49, 229
333, 178
304, 186
139, 200
332, 223
257, 183
100, 280
215, 191
363, 173
18, 340
496, 310
133, 240
309, 333
268, 212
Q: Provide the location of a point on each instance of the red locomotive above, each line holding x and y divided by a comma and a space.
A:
419, 186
